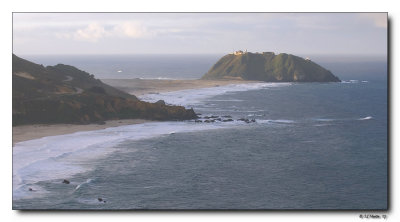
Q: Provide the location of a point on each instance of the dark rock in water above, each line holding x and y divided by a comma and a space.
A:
253, 120
245, 120
207, 117
100, 199
227, 116
30, 189
161, 102
198, 121
199, 114
213, 117
66, 181
227, 120
209, 121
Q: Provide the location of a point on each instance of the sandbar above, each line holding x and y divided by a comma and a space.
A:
136, 87
140, 87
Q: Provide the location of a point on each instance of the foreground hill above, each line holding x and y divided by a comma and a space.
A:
65, 94
269, 67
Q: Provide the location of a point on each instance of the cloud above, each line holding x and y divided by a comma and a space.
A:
95, 31
199, 32
379, 19
92, 33
131, 29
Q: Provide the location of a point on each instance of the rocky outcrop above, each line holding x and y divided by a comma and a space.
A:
270, 68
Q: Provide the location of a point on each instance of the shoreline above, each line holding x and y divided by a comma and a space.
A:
137, 87
36, 131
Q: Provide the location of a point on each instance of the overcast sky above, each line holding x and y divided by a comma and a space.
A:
199, 33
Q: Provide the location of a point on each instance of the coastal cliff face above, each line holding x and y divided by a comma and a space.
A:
270, 68
65, 94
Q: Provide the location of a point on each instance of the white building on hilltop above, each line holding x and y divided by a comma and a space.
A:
240, 52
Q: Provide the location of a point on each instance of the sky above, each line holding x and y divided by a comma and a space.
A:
199, 33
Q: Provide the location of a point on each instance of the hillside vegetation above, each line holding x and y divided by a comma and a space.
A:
269, 67
65, 94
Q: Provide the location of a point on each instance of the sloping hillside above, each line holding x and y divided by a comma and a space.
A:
269, 67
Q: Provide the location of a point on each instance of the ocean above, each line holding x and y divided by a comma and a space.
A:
311, 146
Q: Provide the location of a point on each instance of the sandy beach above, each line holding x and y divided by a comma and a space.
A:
29, 132
139, 87
133, 86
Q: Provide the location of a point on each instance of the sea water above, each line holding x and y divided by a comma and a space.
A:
134, 66
312, 146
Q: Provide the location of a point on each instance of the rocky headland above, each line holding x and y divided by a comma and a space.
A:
64, 94
269, 67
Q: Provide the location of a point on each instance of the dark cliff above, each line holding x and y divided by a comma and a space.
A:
65, 94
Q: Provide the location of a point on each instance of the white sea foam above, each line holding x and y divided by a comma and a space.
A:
325, 120
56, 158
157, 78
321, 125
343, 119
84, 183
350, 81
191, 97
287, 121
366, 118
252, 114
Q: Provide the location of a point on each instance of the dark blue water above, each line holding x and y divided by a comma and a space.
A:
314, 146
134, 66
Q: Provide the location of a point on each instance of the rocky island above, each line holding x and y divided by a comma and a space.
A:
64, 94
269, 67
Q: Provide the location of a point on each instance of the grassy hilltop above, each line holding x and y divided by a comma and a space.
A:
269, 67
65, 94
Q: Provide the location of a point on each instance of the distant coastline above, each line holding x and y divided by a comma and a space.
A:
133, 86
140, 87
